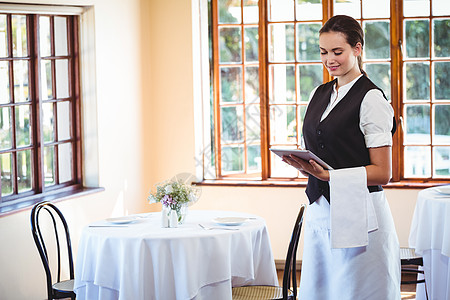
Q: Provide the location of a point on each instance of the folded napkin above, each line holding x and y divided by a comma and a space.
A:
352, 212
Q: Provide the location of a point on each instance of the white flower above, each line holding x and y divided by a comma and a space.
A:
192, 197
152, 199
168, 189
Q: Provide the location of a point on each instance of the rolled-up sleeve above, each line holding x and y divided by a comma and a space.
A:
376, 118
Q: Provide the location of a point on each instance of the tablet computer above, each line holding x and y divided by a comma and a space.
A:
303, 154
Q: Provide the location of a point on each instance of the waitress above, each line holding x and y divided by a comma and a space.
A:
351, 249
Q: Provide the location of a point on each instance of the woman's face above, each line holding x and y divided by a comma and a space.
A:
337, 55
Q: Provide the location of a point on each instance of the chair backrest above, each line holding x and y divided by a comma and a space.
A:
59, 224
290, 272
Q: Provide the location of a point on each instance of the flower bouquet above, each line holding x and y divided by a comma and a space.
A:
175, 195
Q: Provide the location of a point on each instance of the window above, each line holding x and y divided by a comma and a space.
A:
40, 150
265, 62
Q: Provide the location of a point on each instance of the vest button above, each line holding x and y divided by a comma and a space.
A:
319, 132
321, 146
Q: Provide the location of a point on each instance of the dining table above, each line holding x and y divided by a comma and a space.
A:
430, 237
134, 257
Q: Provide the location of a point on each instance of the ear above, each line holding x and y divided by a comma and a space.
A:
357, 49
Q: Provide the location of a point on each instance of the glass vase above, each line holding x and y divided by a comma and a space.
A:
182, 212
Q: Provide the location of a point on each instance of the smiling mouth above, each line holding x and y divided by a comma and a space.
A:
333, 68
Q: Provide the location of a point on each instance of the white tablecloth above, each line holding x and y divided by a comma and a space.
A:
430, 237
145, 261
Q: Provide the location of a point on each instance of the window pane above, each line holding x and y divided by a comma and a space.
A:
47, 122
283, 127
442, 124
6, 174
281, 169
5, 128
23, 125
60, 36
62, 78
309, 10
380, 74
281, 10
232, 159
416, 8
281, 83
253, 123
417, 81
65, 162
417, 124
49, 169
441, 80
231, 84
251, 44
441, 161
251, 11
441, 7
251, 84
441, 37
21, 86
417, 37
64, 120
24, 169
4, 82
3, 37
19, 36
308, 42
254, 158
377, 40
347, 7
44, 36
417, 162
301, 111
281, 43
376, 8
232, 124
229, 11
230, 44
46, 80
309, 76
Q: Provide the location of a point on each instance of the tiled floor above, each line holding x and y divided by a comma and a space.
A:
408, 290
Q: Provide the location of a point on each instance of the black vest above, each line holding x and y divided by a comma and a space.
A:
338, 139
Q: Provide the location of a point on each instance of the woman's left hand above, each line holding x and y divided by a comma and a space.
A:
308, 167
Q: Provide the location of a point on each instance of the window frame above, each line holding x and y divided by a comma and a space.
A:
398, 180
82, 113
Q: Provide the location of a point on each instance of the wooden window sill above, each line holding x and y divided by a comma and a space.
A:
302, 183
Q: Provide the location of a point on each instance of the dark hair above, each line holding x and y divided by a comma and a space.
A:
350, 28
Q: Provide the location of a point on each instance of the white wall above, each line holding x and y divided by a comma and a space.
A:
145, 135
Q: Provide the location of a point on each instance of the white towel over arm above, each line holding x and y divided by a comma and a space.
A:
352, 212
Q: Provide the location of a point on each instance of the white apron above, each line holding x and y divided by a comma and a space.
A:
371, 272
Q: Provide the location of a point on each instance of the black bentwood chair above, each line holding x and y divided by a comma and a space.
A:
260, 292
409, 258
61, 288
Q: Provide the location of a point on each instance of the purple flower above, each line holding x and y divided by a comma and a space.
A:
167, 200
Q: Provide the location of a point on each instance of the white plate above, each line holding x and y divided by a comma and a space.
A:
122, 220
230, 221
445, 189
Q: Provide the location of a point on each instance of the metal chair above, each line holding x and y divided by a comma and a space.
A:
409, 258
61, 288
260, 292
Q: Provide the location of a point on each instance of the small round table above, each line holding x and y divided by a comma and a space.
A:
430, 237
145, 261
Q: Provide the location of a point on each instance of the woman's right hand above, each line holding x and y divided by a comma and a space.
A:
290, 161
307, 168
